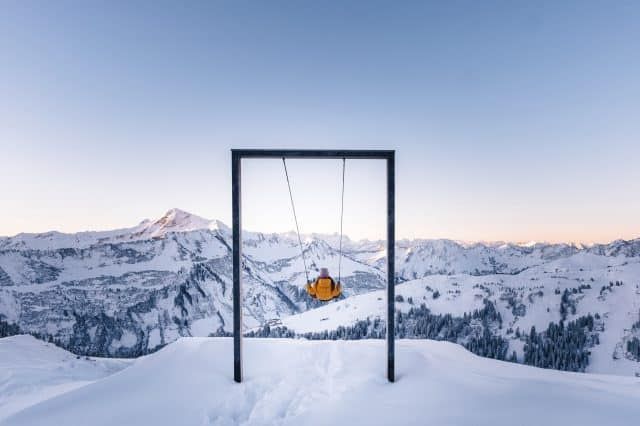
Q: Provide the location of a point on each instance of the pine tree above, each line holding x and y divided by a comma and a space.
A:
7, 329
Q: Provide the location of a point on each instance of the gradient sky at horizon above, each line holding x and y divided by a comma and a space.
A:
512, 121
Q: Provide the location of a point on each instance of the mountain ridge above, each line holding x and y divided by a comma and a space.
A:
178, 220
127, 293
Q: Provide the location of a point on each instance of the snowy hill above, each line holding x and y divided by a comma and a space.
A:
127, 292
297, 382
32, 371
581, 284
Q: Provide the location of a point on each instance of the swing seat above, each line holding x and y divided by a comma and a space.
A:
324, 289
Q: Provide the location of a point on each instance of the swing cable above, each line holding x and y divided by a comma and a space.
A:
295, 218
341, 219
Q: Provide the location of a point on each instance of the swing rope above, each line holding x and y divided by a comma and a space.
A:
295, 218
341, 219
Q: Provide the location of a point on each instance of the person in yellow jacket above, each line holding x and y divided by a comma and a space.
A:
324, 288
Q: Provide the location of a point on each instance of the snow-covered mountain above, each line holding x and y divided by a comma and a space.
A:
125, 292
321, 383
175, 220
128, 291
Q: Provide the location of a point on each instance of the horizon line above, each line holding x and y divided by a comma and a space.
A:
463, 242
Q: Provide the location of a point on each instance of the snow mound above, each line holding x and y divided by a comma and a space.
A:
293, 382
32, 371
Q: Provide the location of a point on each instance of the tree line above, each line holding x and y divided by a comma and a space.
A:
472, 330
561, 346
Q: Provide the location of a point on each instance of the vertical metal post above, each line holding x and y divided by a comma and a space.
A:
391, 255
236, 162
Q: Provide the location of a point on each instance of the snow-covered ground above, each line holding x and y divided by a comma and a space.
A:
297, 382
32, 371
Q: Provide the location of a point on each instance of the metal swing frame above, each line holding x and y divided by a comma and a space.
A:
236, 195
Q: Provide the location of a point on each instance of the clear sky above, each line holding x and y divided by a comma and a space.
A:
511, 120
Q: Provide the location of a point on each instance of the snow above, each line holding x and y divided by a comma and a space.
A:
154, 338
299, 382
174, 220
128, 339
205, 326
111, 271
461, 294
32, 371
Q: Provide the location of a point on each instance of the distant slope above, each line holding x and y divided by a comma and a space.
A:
296, 382
609, 287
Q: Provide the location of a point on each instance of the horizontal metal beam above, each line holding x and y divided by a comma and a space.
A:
313, 153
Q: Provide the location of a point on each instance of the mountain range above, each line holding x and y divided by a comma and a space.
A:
129, 291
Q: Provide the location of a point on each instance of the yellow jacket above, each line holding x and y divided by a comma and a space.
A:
324, 289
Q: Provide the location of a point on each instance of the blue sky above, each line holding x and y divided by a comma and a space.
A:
511, 120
